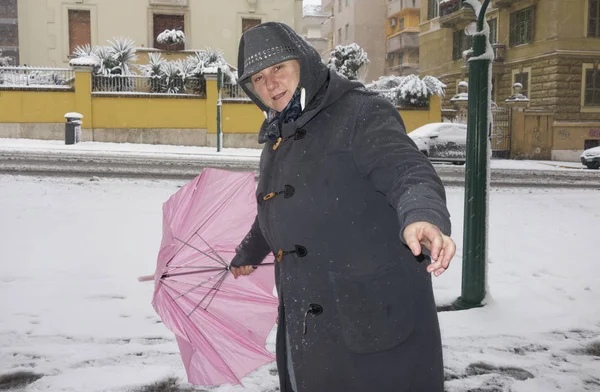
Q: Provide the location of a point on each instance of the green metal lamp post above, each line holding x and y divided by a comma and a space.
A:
476, 174
219, 106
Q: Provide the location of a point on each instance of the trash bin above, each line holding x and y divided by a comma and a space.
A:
73, 127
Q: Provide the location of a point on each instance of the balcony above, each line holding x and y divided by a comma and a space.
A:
402, 41
510, 3
327, 28
395, 6
404, 69
452, 15
498, 65
176, 3
327, 5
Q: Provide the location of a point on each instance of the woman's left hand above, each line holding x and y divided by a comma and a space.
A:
441, 247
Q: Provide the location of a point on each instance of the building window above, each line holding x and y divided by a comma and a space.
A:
80, 30
339, 37
433, 9
493, 23
248, 23
347, 3
591, 87
460, 43
400, 58
523, 78
521, 26
339, 5
401, 24
593, 18
162, 22
347, 32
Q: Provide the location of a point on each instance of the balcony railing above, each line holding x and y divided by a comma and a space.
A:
402, 41
452, 15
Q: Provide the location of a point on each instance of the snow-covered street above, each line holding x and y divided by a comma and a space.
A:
73, 316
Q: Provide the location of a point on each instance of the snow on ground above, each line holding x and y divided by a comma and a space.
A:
73, 312
158, 150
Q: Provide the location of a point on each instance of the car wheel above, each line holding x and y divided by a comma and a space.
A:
459, 163
593, 165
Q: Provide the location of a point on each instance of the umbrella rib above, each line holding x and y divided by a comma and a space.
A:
221, 279
204, 270
218, 259
211, 248
196, 286
216, 289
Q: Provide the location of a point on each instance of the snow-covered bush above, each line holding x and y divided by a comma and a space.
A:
171, 37
408, 91
348, 60
208, 60
114, 59
187, 75
4, 60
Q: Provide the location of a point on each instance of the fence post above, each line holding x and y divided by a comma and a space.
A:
212, 97
83, 97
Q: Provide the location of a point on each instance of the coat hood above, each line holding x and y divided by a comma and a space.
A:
271, 43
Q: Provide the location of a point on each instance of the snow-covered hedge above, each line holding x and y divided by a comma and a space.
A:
408, 91
348, 60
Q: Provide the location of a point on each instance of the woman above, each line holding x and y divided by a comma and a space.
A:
345, 201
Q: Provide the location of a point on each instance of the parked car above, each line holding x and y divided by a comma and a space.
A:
591, 158
442, 141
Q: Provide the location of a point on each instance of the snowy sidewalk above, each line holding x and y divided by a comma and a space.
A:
74, 317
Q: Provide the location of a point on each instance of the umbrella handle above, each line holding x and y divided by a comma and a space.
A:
145, 278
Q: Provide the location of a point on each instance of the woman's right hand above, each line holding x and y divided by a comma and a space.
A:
243, 270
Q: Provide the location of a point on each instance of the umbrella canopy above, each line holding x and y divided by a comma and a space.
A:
221, 323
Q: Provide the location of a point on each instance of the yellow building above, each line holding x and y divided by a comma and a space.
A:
49, 30
402, 37
551, 47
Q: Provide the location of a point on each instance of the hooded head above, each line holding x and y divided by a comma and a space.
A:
272, 43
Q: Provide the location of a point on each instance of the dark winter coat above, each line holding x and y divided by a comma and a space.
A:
357, 305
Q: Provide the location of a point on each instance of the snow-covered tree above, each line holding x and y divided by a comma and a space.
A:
408, 91
348, 60
209, 60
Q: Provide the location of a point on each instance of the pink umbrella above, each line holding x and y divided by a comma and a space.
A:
221, 323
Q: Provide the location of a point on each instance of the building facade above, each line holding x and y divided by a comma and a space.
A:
551, 47
358, 21
312, 19
402, 32
49, 30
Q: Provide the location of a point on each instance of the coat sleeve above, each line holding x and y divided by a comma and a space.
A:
393, 163
253, 249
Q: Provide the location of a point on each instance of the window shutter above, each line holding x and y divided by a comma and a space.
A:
80, 31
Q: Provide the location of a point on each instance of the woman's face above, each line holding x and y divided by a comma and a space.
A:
276, 85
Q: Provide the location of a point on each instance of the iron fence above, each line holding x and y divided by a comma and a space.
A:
155, 85
233, 92
501, 132
37, 77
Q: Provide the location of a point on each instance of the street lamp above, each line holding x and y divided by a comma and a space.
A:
476, 172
